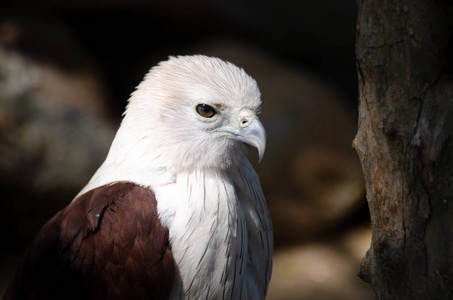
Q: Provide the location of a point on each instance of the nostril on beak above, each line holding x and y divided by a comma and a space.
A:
246, 117
246, 121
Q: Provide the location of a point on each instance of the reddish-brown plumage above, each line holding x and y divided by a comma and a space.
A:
107, 244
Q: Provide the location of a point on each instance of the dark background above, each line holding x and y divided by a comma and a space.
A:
126, 38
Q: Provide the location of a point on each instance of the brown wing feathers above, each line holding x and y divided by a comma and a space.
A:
107, 244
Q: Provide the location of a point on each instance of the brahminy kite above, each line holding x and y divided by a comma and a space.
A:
176, 211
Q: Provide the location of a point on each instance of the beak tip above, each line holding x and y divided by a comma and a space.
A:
260, 154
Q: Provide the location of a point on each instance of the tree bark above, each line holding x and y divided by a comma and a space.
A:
404, 141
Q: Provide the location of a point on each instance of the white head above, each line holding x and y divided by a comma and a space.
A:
190, 112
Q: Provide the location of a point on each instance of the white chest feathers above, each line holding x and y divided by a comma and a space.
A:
208, 234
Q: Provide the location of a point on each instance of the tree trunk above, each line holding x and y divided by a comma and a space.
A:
405, 143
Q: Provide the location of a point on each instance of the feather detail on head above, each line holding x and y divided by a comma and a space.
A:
161, 128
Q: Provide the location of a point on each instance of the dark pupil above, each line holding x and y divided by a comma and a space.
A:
205, 110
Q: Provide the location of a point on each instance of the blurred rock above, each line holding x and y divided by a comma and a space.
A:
311, 176
323, 270
54, 129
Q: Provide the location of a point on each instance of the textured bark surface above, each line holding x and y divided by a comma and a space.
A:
405, 144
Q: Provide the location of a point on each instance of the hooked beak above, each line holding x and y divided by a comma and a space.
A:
248, 130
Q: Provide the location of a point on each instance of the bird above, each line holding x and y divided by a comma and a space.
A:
176, 210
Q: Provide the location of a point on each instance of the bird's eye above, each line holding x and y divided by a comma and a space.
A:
205, 111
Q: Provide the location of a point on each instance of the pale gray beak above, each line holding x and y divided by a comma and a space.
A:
249, 130
254, 135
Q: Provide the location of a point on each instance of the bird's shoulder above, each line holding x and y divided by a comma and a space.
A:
108, 243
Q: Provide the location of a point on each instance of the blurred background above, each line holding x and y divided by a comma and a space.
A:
67, 69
